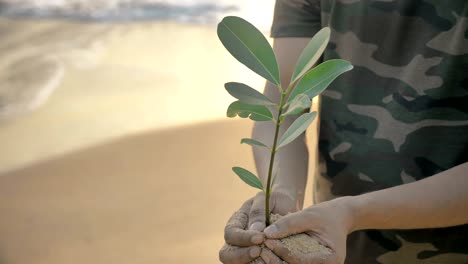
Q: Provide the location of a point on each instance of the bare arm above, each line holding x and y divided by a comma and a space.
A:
437, 201
292, 159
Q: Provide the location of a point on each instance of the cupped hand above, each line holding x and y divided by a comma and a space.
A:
280, 203
243, 232
329, 223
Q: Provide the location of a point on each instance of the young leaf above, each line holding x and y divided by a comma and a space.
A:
247, 94
311, 53
256, 117
248, 45
248, 177
298, 104
255, 112
317, 80
242, 114
297, 128
253, 142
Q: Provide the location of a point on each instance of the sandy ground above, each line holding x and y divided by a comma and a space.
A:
158, 197
129, 159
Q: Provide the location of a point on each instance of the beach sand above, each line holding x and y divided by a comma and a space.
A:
157, 197
129, 160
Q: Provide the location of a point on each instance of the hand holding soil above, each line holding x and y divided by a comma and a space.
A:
245, 242
242, 245
281, 203
243, 232
327, 223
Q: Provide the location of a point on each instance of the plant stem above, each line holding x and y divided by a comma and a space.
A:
272, 160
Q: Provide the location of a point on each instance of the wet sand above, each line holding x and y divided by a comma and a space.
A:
129, 160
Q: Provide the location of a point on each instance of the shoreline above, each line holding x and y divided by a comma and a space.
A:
199, 13
118, 80
206, 12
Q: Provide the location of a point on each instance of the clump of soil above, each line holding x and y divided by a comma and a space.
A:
275, 217
302, 243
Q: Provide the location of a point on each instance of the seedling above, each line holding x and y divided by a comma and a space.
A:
248, 45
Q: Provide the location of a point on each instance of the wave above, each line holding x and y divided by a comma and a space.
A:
121, 10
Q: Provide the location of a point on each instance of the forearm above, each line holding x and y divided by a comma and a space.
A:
437, 201
293, 158
291, 162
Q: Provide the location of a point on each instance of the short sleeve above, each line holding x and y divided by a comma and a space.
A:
296, 18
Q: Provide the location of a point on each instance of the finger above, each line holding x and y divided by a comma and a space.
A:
238, 255
269, 257
235, 233
283, 203
296, 255
279, 250
257, 213
257, 261
291, 224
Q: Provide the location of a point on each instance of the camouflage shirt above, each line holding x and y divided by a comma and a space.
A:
399, 116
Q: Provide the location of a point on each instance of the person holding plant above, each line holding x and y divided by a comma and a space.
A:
392, 185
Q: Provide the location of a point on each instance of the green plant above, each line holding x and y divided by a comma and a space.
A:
248, 45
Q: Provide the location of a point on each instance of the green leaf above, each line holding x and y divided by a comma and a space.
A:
247, 94
317, 80
255, 112
256, 117
248, 45
242, 114
253, 142
298, 105
297, 128
311, 53
248, 177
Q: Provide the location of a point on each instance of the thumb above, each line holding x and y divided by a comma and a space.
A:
257, 213
288, 225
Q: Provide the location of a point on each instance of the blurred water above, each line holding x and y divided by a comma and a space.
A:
111, 79
189, 11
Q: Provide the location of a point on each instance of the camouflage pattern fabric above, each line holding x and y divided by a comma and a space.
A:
399, 116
